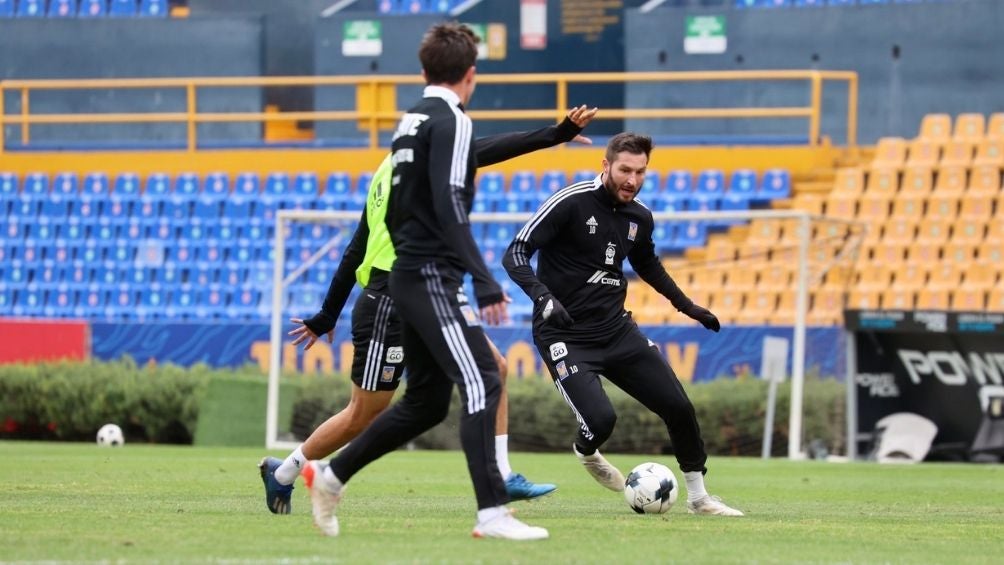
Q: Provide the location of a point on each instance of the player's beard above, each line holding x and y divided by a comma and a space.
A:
615, 191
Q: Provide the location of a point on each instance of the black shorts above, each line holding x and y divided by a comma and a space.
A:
378, 360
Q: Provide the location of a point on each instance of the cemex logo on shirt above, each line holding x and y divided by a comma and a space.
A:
600, 277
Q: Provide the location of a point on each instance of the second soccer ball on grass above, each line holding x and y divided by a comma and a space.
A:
651, 488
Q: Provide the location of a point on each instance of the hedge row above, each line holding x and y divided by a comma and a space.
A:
69, 401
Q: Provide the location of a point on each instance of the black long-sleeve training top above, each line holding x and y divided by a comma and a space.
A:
488, 151
433, 190
583, 236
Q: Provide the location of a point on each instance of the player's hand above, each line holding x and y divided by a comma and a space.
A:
498, 313
303, 333
582, 115
704, 316
552, 312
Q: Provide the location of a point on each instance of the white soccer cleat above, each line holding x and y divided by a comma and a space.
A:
712, 506
506, 526
601, 470
323, 498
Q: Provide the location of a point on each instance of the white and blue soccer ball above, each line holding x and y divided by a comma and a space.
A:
110, 435
651, 488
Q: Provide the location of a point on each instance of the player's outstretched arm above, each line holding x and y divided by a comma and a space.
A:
497, 148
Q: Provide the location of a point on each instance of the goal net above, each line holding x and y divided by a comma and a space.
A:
776, 268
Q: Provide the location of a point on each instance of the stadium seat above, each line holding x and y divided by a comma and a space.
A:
690, 234
764, 232
923, 153
65, 184
158, 187
305, 189
92, 9
900, 231
969, 127
7, 11
726, 304
247, 185
742, 189
336, 192
708, 192
127, 187
774, 277
553, 181
775, 184
216, 186
186, 185
874, 207
153, 8
122, 8
995, 126
990, 151
942, 207
985, 179
898, 299
679, 187
890, 153
758, 308
936, 127
357, 198
720, 249
96, 186
883, 180
842, 207
850, 181
933, 299
970, 300
31, 8
62, 8
583, 176
741, 279
36, 185
958, 153
951, 179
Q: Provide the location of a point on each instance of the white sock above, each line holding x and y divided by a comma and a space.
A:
695, 485
502, 455
487, 514
333, 483
290, 469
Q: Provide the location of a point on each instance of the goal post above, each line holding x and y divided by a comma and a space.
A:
806, 272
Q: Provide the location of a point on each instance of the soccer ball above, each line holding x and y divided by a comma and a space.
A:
110, 435
651, 488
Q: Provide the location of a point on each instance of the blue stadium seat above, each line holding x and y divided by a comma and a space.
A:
91, 301
96, 186
55, 208
216, 186
552, 181
153, 8
357, 199
62, 8
28, 301
147, 210
12, 272
491, 190
690, 234
247, 185
776, 183
679, 186
244, 302
25, 207
6, 8
277, 189
122, 8
36, 185
176, 209
158, 187
186, 185
742, 186
237, 210
74, 229
583, 175
336, 193
206, 210
182, 301
127, 187
305, 189
116, 210
92, 9
65, 184
808, 3
31, 9
842, 2
709, 190
8, 185
523, 195
152, 299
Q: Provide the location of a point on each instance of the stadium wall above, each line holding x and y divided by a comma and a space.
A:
912, 59
131, 48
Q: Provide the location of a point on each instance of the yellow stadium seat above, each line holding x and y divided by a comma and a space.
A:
968, 300
990, 151
942, 207
898, 299
970, 233
936, 127
827, 306
775, 277
850, 180
923, 253
909, 208
944, 276
977, 208
933, 231
764, 232
995, 128
995, 301
750, 253
923, 153
758, 307
958, 153
882, 180
959, 253
986, 179
900, 231
708, 279
811, 203
841, 206
969, 127
721, 249
838, 277
785, 312
874, 279
917, 181
980, 276
727, 304
931, 299
995, 232
789, 231
890, 153
864, 299
910, 276
741, 279
886, 254
991, 251
951, 180
874, 208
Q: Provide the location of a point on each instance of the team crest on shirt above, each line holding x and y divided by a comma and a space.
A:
470, 316
387, 375
558, 350
561, 370
632, 231
591, 224
610, 253
395, 354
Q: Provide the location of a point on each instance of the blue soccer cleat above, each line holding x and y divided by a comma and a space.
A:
521, 489
277, 495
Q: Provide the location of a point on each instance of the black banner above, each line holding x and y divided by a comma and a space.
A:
944, 366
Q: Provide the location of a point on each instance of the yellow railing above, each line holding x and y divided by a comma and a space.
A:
374, 116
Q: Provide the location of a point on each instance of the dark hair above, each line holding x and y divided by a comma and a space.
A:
447, 51
629, 142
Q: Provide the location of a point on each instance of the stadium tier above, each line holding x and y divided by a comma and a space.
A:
84, 8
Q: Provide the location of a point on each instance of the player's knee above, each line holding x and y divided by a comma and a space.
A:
601, 425
503, 367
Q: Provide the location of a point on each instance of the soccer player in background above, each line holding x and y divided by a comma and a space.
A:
580, 327
378, 359
445, 345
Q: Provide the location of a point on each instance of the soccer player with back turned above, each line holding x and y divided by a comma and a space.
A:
445, 345
583, 233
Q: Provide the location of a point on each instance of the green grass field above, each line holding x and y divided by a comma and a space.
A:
78, 502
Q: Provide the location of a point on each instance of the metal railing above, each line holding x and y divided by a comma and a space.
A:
192, 116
